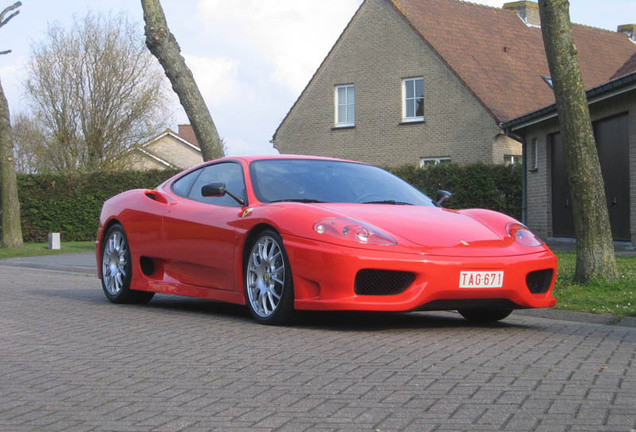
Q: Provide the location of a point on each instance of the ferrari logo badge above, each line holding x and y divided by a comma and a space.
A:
247, 212
465, 243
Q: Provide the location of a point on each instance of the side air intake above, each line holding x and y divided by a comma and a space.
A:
539, 281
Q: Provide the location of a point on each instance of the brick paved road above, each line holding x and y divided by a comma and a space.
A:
70, 361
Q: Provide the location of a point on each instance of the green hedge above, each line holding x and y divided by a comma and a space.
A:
494, 187
70, 204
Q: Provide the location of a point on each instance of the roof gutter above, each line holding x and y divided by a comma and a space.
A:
596, 94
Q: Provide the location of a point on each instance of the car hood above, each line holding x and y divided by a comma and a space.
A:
431, 227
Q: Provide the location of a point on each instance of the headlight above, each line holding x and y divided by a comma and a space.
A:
353, 230
522, 235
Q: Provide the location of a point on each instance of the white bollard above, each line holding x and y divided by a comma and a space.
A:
54, 241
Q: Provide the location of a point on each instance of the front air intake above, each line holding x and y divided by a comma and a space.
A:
539, 281
382, 282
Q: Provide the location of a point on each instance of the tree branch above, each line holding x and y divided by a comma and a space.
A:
8, 9
5, 19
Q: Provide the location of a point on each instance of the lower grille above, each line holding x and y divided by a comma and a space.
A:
382, 282
539, 281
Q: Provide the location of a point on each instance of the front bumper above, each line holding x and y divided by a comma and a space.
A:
325, 275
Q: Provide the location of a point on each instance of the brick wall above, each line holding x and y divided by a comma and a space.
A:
175, 152
375, 53
539, 179
539, 182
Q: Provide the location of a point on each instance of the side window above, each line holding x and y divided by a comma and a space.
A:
182, 186
533, 153
426, 162
512, 159
345, 105
227, 172
413, 99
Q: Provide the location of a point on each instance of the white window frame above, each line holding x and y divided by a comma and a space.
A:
513, 159
406, 101
435, 160
348, 105
533, 160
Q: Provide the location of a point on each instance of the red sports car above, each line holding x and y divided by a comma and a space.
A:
288, 233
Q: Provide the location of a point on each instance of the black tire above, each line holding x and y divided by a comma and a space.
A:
269, 290
484, 316
116, 269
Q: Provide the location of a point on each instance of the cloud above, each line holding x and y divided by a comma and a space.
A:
217, 79
12, 76
493, 3
291, 37
237, 147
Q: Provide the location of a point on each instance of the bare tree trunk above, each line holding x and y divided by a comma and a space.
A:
164, 46
9, 202
594, 245
11, 228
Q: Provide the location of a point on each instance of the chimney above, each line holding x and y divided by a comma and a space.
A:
629, 30
528, 11
187, 133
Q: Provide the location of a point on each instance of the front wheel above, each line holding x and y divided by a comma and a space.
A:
484, 316
269, 288
117, 269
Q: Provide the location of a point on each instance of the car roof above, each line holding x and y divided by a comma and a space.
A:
252, 158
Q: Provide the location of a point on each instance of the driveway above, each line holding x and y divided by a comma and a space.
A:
71, 361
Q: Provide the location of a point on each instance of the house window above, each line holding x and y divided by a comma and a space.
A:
512, 159
413, 99
426, 162
533, 155
345, 105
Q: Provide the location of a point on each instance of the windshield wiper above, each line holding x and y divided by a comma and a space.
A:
298, 200
392, 202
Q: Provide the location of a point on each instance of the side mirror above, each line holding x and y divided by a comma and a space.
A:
442, 197
213, 190
219, 190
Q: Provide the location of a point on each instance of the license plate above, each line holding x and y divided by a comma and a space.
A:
481, 279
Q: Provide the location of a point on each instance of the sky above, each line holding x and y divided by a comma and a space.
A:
250, 58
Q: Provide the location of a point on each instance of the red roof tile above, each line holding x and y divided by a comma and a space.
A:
187, 133
500, 59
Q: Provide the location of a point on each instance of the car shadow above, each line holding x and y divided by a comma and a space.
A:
381, 321
198, 306
329, 320
317, 320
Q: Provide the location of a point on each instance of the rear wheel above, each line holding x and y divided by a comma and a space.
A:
483, 316
117, 269
268, 281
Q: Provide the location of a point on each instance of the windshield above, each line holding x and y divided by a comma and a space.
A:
307, 180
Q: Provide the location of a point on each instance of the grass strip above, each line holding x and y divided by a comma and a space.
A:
615, 298
39, 249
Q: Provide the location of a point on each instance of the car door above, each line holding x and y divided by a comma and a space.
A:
199, 232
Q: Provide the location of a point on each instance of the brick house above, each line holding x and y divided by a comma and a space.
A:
548, 209
428, 81
167, 150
